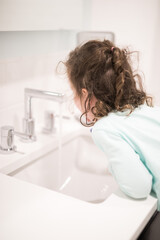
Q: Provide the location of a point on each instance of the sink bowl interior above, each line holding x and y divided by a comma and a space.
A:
80, 172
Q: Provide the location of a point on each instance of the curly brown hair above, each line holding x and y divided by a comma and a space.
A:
104, 70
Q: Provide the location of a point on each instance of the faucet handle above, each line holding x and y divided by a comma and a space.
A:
7, 139
49, 122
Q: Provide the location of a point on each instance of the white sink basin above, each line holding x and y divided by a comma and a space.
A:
82, 174
79, 171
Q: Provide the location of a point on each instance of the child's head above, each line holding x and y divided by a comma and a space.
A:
102, 80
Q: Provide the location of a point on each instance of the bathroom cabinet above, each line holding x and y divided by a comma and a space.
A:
152, 229
21, 15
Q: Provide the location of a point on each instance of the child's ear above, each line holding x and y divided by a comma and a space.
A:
84, 91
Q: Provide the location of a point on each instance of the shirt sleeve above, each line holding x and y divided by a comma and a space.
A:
125, 165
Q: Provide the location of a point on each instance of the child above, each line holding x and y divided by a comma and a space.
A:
126, 127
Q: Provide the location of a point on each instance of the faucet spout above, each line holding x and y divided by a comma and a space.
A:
35, 93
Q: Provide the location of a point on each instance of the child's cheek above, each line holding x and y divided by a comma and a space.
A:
78, 104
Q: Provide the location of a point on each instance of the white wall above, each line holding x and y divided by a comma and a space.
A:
29, 59
20, 15
155, 78
136, 23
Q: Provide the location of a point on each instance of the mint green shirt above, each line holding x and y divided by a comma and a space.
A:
132, 146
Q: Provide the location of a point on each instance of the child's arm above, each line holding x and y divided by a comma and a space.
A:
125, 165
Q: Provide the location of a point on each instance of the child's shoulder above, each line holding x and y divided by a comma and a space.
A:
116, 119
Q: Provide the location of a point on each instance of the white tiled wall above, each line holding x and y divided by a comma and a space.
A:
22, 67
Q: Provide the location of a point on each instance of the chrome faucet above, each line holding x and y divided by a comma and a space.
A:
28, 122
7, 139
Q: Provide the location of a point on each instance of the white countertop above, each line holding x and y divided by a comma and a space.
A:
30, 212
